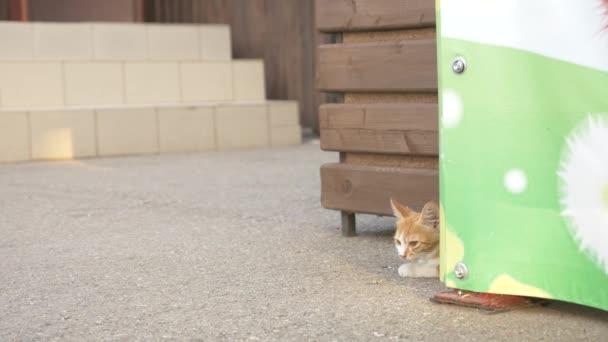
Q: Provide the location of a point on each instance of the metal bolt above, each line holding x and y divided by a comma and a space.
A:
459, 65
461, 271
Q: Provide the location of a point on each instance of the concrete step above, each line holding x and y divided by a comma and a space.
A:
113, 42
85, 131
73, 83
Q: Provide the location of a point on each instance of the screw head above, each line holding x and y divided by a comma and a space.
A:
461, 271
459, 65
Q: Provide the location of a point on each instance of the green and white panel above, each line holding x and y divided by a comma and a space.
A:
524, 147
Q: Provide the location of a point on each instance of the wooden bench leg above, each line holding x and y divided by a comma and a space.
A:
349, 226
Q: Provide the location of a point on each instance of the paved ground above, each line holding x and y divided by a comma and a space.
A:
230, 246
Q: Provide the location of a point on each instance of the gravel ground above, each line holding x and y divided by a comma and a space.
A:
219, 246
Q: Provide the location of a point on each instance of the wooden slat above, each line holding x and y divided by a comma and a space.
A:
367, 189
390, 142
380, 128
357, 15
395, 116
409, 66
391, 160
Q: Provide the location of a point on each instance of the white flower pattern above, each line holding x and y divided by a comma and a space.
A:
583, 176
452, 109
516, 181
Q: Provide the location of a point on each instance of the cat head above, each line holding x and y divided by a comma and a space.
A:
417, 234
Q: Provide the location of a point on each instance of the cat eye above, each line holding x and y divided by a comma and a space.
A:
413, 243
397, 242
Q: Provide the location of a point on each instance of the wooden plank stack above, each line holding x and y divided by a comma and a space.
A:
385, 128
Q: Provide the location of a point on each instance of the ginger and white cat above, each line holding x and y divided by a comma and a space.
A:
417, 240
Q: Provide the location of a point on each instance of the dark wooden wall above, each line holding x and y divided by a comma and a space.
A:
4, 8
84, 10
386, 126
281, 32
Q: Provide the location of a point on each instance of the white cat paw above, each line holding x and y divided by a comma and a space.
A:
405, 271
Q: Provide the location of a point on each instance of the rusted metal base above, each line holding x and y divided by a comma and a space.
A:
486, 302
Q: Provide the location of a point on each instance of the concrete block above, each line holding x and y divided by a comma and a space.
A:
283, 113
248, 78
94, 83
168, 42
285, 135
17, 41
152, 83
284, 120
119, 42
241, 126
14, 137
186, 129
31, 84
215, 43
127, 131
62, 134
206, 81
59, 42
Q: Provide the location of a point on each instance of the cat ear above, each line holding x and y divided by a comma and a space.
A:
399, 210
430, 215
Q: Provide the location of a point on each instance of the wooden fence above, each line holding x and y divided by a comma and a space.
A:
385, 126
